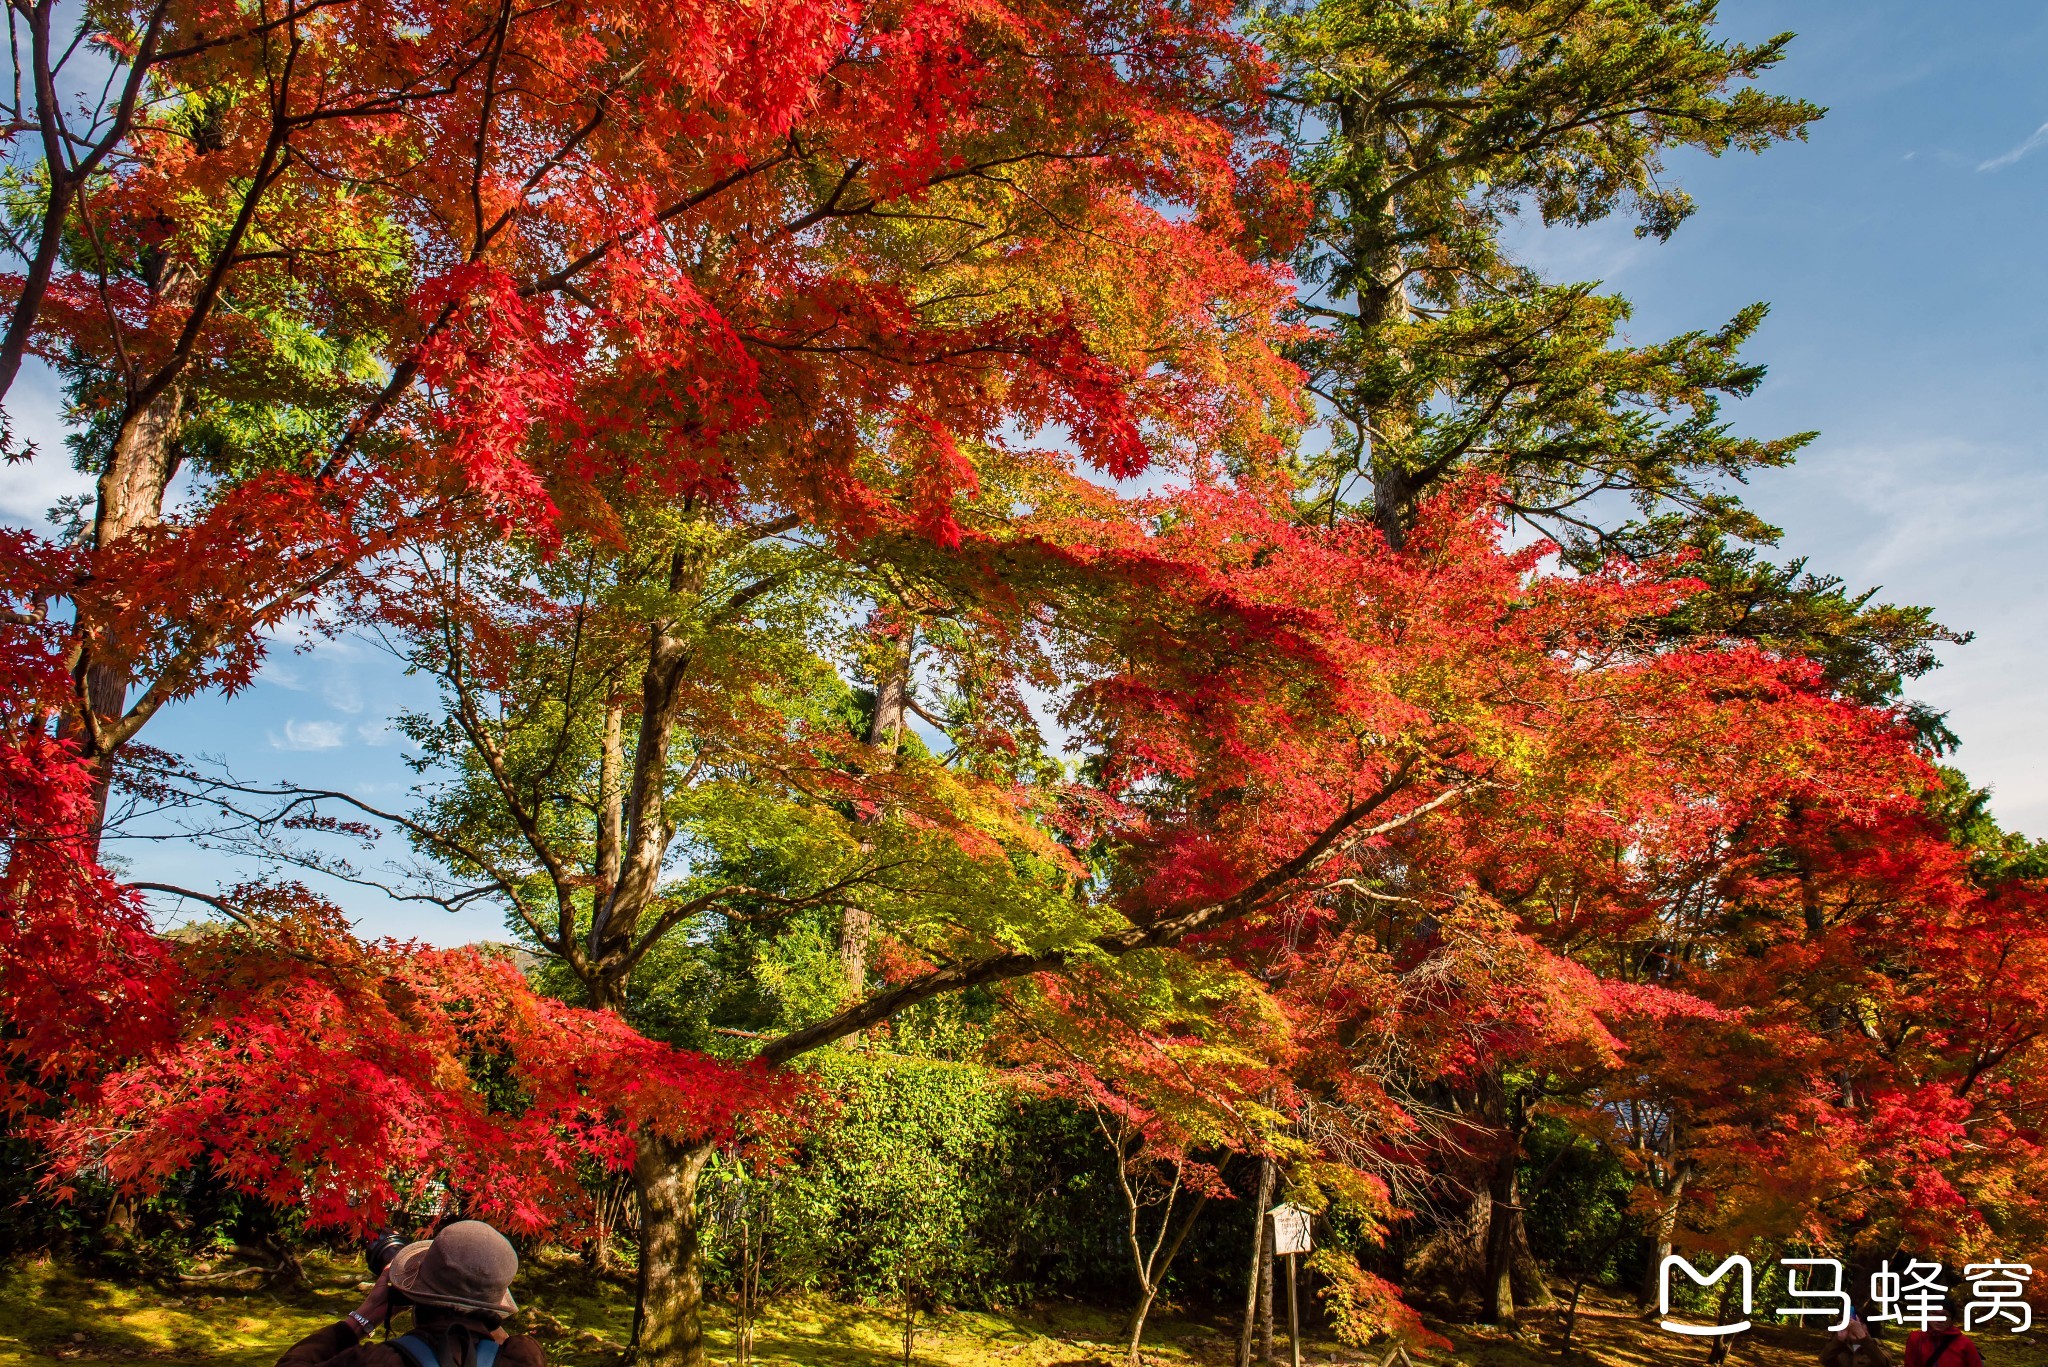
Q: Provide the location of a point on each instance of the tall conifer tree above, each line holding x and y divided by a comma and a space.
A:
1426, 129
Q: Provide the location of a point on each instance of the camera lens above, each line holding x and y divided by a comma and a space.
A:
382, 1250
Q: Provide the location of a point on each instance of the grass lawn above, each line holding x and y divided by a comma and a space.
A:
49, 1314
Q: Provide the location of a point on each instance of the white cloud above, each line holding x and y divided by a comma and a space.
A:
1958, 507
1954, 523
310, 735
2035, 141
35, 409
284, 675
1605, 251
302, 658
342, 693
27, 491
377, 733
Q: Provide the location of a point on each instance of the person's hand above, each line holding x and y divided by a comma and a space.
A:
375, 1305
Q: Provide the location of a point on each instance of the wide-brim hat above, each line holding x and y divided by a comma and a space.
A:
467, 1266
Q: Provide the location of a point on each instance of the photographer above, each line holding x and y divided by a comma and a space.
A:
458, 1285
1853, 1345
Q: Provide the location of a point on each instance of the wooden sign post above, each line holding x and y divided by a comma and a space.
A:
1290, 1228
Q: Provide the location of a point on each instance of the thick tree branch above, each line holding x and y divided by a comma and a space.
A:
1342, 834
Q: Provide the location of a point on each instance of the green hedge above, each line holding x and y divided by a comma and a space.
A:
938, 1181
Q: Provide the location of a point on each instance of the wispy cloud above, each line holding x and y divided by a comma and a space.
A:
310, 735
1952, 521
2035, 141
28, 491
342, 693
1929, 510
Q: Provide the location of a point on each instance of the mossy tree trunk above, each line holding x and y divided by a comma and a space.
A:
668, 1326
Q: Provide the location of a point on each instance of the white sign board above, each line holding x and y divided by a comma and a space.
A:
1290, 1229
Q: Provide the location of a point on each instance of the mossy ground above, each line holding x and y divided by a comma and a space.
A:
50, 1314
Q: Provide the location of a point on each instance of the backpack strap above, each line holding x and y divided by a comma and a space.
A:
418, 1349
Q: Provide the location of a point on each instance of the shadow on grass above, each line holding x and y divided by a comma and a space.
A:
50, 1314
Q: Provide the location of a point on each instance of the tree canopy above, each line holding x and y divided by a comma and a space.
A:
989, 532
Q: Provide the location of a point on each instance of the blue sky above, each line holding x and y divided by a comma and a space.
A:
1901, 252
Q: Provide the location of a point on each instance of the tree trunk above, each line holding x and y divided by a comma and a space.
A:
1666, 1222
1503, 1189
1722, 1345
117, 1228
1380, 293
884, 733
139, 469
106, 693
128, 497
1136, 1329
668, 1322
1571, 1319
1586, 1274
1660, 1249
1531, 1289
1152, 1272
856, 928
1251, 1293
611, 803
892, 702
1266, 1301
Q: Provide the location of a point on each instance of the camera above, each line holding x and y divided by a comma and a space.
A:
383, 1249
